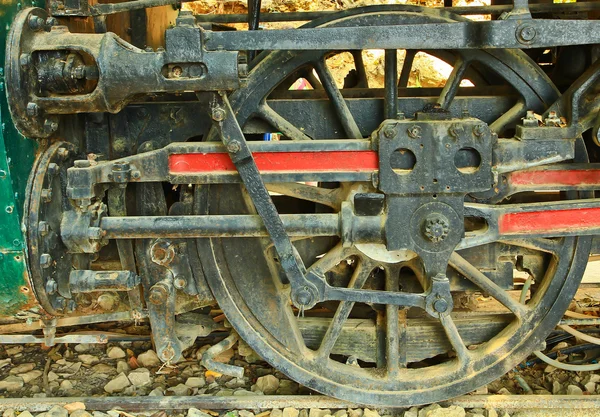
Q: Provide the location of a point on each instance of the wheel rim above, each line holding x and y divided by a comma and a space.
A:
258, 306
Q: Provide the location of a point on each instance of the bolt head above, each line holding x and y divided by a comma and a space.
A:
32, 109
234, 146
414, 132
218, 114
36, 23
478, 130
52, 169
51, 286
50, 126
180, 282
43, 228
436, 229
25, 60
527, 33
158, 295
45, 260
304, 297
389, 131
63, 153
46, 195
440, 306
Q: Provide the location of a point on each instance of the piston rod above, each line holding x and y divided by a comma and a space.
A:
296, 225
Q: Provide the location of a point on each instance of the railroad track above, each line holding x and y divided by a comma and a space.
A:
586, 404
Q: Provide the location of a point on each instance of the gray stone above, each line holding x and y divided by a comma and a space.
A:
224, 393
57, 411
24, 367
115, 352
122, 366
340, 413
240, 392
287, 387
317, 412
291, 412
194, 412
103, 368
118, 384
556, 387
31, 375
195, 382
268, 384
412, 412
594, 378
276, 412
11, 383
80, 413
99, 414
423, 412
358, 412
26, 413
82, 347
66, 385
140, 377
504, 391
452, 411
370, 413
180, 389
590, 387
574, 390
156, 392
88, 359
491, 412
9, 412
245, 413
149, 359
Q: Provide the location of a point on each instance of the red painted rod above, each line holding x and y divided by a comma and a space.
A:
556, 177
571, 221
322, 161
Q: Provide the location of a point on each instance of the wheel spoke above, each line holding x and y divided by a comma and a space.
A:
462, 353
359, 277
392, 351
409, 59
312, 79
453, 83
281, 124
330, 259
510, 117
391, 84
477, 277
361, 71
325, 196
338, 101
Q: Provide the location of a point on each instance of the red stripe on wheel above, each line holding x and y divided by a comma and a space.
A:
549, 221
325, 161
556, 177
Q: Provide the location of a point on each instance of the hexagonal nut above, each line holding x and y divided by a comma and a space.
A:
32, 109
234, 146
25, 60
50, 126
414, 131
45, 260
63, 153
217, 114
46, 195
36, 23
51, 286
53, 169
43, 228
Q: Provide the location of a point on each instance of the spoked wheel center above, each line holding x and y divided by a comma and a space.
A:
390, 290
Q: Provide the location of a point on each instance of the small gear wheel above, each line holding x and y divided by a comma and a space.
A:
436, 229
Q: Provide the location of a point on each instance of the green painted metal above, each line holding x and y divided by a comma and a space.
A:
17, 155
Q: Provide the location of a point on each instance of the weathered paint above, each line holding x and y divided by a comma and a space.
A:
324, 161
16, 160
548, 221
556, 177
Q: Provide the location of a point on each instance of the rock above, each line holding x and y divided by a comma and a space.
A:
236, 383
556, 387
317, 412
57, 411
224, 356
103, 368
156, 392
574, 390
118, 384
268, 384
9, 412
88, 359
52, 376
82, 347
148, 359
504, 391
292, 412
80, 413
287, 387
26, 413
224, 393
491, 412
13, 350
355, 413
76, 406
276, 412
195, 382
115, 352
370, 413
11, 383
66, 385
594, 378
412, 412
549, 369
240, 392
340, 413
481, 390
194, 412
99, 414
5, 362
140, 377
122, 366
245, 413
179, 390
24, 367
31, 375
452, 411
590, 387
423, 412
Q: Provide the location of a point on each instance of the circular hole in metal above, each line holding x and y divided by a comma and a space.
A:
467, 160
402, 161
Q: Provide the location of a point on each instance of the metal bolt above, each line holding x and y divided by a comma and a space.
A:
63, 153
455, 130
162, 252
389, 131
78, 72
158, 294
50, 126
530, 120
436, 229
149, 49
36, 23
25, 60
304, 297
414, 132
177, 71
51, 21
43, 228
82, 163
95, 233
136, 174
45, 260
180, 282
52, 169
479, 130
46, 195
441, 305
234, 146
218, 114
32, 109
527, 34
51, 286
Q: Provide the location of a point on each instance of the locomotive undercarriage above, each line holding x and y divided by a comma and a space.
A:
348, 253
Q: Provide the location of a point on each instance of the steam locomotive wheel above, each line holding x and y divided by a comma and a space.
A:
383, 354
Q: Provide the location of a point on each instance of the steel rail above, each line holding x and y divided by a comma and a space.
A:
259, 402
465, 10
